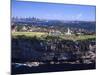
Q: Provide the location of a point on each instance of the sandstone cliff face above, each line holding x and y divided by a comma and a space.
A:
40, 50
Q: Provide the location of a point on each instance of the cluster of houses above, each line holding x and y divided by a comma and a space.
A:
50, 31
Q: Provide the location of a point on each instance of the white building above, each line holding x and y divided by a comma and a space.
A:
55, 33
24, 28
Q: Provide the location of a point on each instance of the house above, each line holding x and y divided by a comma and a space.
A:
24, 28
54, 33
13, 28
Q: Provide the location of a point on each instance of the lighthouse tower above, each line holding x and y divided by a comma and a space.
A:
68, 32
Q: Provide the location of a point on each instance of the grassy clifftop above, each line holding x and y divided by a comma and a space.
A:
44, 34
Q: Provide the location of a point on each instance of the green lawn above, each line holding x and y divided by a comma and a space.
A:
29, 34
80, 37
66, 37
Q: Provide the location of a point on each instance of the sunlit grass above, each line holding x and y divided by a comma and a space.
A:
41, 34
29, 34
79, 37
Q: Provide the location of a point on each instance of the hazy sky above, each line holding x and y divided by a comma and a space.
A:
53, 11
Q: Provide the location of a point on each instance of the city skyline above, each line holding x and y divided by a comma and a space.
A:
53, 11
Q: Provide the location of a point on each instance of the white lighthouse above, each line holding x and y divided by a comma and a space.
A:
68, 32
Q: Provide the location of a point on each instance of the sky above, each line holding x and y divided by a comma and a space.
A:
53, 11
